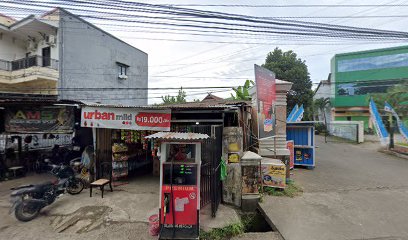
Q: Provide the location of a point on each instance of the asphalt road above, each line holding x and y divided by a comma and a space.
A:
354, 192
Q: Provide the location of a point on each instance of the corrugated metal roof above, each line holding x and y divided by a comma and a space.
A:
178, 136
210, 104
91, 104
214, 104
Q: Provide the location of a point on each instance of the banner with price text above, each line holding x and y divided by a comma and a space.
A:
125, 118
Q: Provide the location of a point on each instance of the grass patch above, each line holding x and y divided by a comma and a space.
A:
402, 144
255, 222
291, 190
333, 138
223, 233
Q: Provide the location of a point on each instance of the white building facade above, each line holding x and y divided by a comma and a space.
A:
61, 54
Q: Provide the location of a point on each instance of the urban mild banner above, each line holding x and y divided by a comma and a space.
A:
266, 96
48, 119
125, 118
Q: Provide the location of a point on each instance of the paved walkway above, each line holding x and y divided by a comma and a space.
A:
354, 192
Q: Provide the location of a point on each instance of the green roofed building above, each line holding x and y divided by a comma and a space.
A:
356, 75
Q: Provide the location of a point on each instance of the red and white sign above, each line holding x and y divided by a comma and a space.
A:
185, 205
125, 118
291, 146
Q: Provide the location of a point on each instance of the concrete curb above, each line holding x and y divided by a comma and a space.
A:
274, 228
389, 152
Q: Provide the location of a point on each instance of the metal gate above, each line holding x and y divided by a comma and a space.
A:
210, 189
339, 131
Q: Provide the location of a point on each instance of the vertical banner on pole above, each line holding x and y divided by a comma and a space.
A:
266, 96
403, 130
378, 123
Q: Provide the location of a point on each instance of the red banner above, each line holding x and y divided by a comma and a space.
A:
266, 95
148, 119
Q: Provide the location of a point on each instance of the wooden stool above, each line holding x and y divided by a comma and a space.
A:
101, 184
105, 174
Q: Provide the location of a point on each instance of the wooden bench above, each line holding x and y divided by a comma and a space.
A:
16, 169
106, 178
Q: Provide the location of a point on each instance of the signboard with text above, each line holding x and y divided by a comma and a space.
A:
266, 96
39, 120
125, 118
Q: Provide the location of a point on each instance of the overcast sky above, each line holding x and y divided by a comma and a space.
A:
223, 64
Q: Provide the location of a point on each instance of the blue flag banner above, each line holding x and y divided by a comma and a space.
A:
378, 123
294, 110
298, 115
403, 130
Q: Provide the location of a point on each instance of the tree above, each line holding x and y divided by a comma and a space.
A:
242, 92
396, 96
180, 98
288, 67
321, 104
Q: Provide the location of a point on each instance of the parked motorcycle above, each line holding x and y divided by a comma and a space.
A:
58, 155
28, 200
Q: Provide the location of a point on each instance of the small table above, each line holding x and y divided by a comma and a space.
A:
16, 169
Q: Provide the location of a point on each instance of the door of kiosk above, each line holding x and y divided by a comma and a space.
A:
180, 190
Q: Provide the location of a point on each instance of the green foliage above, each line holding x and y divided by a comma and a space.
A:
180, 98
288, 67
242, 92
397, 96
291, 190
223, 233
320, 128
321, 104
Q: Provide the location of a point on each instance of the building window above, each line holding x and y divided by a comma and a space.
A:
122, 70
365, 87
349, 118
370, 63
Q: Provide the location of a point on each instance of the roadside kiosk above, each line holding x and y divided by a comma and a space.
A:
180, 164
303, 136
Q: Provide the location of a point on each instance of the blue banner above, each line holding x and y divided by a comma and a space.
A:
378, 123
294, 110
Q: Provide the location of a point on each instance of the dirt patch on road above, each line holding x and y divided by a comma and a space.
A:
83, 220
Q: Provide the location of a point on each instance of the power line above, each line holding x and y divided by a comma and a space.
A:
297, 26
289, 6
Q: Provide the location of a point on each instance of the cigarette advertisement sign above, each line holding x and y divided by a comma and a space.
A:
273, 174
40, 119
266, 96
125, 118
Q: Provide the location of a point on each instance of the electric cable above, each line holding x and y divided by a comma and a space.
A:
388, 32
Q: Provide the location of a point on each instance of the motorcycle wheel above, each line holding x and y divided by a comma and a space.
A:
75, 186
26, 212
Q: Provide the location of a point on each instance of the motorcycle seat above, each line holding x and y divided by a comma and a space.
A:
22, 186
42, 186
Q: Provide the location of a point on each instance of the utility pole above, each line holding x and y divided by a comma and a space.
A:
391, 130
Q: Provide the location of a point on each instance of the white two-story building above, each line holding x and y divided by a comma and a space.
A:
61, 54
